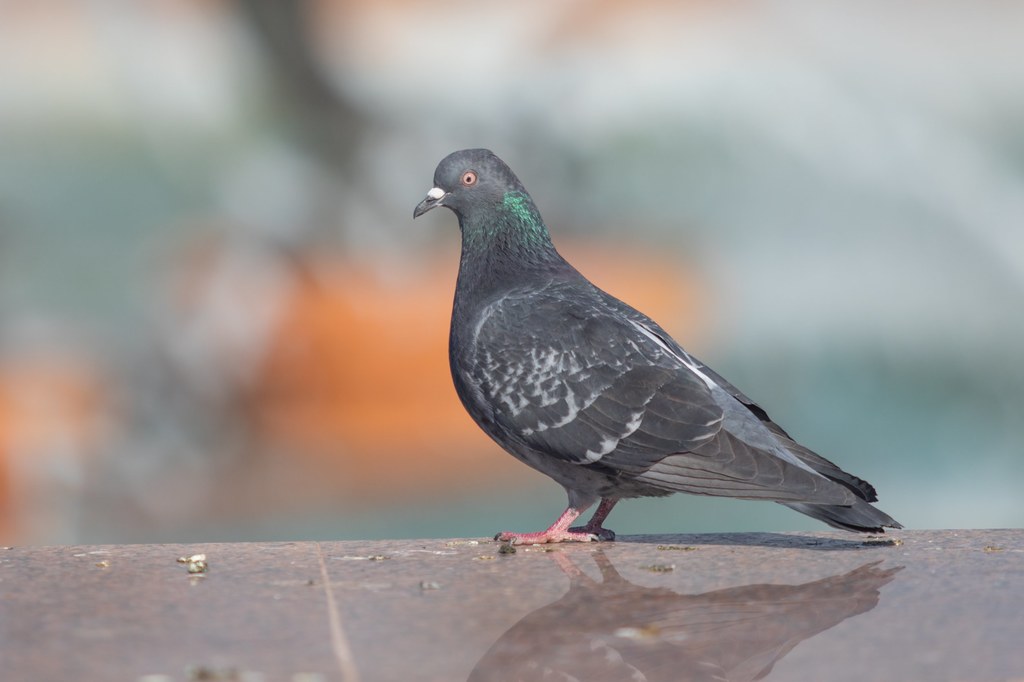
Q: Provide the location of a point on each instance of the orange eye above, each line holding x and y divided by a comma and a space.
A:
469, 178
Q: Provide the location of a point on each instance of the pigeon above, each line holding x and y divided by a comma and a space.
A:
593, 393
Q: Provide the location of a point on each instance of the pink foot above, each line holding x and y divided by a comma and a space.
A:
558, 532
561, 532
548, 536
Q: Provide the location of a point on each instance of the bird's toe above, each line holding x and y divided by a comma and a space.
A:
551, 536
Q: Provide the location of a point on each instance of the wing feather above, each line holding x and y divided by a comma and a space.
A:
728, 466
583, 384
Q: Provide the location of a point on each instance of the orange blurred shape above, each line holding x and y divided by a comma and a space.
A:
358, 363
51, 409
6, 507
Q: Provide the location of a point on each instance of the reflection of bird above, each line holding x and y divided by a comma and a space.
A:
615, 630
593, 393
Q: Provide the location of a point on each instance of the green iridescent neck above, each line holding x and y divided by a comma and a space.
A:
518, 205
500, 246
515, 223
521, 218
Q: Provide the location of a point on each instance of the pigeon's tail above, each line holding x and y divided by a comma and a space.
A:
859, 516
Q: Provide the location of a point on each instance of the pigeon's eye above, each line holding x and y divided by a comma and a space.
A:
469, 178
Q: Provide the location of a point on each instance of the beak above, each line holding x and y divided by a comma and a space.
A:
435, 198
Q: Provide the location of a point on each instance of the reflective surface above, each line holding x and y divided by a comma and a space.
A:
937, 605
614, 629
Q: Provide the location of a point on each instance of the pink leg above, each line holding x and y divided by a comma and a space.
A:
558, 532
593, 526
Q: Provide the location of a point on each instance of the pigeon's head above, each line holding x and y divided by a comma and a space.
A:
468, 179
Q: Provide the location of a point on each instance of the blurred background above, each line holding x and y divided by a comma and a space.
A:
218, 320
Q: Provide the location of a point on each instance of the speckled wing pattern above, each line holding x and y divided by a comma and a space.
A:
573, 373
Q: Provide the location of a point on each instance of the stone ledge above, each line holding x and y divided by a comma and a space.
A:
912, 605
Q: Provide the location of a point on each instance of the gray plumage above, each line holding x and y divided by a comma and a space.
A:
593, 393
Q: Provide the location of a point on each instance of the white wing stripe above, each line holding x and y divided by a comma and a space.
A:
687, 362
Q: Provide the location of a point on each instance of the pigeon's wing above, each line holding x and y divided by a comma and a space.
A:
857, 485
567, 377
573, 382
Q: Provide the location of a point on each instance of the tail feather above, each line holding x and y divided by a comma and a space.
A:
860, 517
